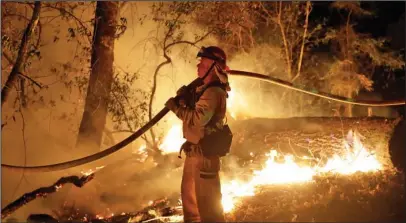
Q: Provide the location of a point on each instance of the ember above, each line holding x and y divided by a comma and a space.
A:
91, 171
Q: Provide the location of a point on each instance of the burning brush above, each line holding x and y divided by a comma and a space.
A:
356, 159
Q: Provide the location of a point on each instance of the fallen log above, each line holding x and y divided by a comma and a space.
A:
308, 136
43, 192
41, 218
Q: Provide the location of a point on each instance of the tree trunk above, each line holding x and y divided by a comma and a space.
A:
22, 93
299, 64
349, 106
101, 77
347, 32
285, 43
21, 57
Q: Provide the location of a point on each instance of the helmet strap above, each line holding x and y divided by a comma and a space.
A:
209, 70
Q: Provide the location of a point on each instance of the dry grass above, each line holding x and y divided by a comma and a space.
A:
358, 197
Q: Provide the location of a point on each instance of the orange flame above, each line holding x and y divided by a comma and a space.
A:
90, 171
173, 140
357, 158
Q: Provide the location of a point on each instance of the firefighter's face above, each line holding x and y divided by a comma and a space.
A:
203, 65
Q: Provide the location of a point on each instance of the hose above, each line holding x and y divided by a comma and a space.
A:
314, 91
94, 157
164, 111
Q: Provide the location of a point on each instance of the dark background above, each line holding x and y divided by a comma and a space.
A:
388, 21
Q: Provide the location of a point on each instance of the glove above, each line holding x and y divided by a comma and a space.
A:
181, 93
171, 104
182, 90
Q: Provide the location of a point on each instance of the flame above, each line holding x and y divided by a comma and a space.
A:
359, 159
356, 158
234, 106
273, 173
90, 171
231, 99
172, 141
99, 217
142, 153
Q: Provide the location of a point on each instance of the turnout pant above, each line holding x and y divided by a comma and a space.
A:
201, 189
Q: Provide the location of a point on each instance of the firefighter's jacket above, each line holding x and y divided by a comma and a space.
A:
210, 110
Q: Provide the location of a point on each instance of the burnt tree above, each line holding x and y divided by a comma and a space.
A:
101, 77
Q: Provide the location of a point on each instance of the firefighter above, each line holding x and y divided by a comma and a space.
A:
200, 187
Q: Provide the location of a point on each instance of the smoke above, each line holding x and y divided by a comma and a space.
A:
44, 132
51, 123
50, 129
254, 98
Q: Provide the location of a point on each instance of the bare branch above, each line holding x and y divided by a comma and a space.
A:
22, 93
24, 144
43, 192
285, 43
29, 78
168, 60
21, 57
299, 65
10, 60
124, 113
189, 42
78, 21
28, 20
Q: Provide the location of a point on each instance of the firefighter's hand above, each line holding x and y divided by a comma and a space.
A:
181, 91
171, 104
181, 102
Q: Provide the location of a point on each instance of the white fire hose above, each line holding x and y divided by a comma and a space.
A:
164, 111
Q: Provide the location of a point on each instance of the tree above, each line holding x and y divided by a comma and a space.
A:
358, 55
285, 27
134, 106
351, 61
101, 76
293, 31
58, 26
17, 69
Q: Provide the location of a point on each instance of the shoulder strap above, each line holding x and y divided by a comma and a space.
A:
215, 84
